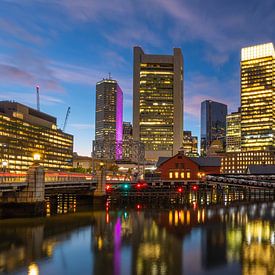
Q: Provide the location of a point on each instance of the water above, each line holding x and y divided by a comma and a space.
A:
208, 239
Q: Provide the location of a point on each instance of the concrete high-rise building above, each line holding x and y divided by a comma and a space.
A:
258, 97
213, 124
233, 132
24, 132
158, 102
109, 120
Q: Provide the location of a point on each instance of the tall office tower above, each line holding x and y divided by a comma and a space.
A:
25, 131
258, 97
213, 124
190, 144
233, 132
109, 123
158, 102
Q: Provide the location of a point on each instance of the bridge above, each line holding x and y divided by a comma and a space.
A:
247, 181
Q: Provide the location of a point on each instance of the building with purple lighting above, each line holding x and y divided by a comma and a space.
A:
109, 120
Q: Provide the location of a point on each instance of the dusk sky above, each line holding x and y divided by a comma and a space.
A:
66, 46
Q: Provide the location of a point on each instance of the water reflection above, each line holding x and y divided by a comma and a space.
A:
206, 239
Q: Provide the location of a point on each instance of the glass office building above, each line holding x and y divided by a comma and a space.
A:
158, 102
258, 97
24, 132
213, 124
109, 119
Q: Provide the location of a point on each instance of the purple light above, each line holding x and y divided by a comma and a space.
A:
119, 122
117, 243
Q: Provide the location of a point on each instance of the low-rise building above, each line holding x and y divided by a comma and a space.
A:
24, 132
238, 162
187, 169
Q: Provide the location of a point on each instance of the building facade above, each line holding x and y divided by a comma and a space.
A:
190, 144
238, 162
233, 132
24, 132
158, 102
258, 97
188, 169
109, 118
213, 124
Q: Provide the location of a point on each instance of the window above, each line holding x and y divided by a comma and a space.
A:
182, 175
170, 175
176, 175
188, 175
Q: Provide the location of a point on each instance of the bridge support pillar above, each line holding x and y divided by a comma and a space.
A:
30, 200
99, 197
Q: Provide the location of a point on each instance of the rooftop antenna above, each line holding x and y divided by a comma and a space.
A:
109, 75
37, 98
66, 119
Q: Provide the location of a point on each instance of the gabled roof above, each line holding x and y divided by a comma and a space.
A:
207, 161
161, 160
261, 169
201, 161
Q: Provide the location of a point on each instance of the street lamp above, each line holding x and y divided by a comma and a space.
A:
4, 165
36, 157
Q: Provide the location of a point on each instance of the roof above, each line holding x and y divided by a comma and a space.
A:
261, 169
207, 161
161, 160
201, 161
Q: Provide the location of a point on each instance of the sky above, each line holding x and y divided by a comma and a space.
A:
66, 46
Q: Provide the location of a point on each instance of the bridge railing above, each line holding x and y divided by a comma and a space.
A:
51, 176
6, 177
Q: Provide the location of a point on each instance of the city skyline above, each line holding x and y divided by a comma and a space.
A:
68, 47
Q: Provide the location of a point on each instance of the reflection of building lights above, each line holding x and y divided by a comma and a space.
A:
99, 243
170, 217
176, 217
199, 216
188, 217
107, 217
33, 269
203, 215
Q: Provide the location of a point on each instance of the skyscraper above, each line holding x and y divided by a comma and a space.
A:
233, 132
258, 97
213, 123
109, 120
190, 144
158, 102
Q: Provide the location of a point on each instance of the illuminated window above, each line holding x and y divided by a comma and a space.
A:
182, 175
188, 175
176, 175
170, 175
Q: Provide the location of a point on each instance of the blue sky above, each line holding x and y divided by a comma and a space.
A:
66, 46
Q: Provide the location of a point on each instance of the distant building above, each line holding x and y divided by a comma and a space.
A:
213, 124
257, 97
158, 102
190, 144
109, 115
127, 130
216, 148
187, 169
238, 162
233, 132
24, 132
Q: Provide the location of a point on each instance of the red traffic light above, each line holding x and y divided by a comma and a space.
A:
108, 187
195, 187
180, 190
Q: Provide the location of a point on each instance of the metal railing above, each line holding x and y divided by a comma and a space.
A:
10, 178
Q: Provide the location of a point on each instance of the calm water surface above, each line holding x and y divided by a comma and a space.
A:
236, 239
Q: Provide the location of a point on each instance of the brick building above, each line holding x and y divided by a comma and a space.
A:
187, 169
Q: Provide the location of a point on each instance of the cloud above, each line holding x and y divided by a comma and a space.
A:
200, 87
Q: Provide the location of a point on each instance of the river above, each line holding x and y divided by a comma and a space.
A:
236, 238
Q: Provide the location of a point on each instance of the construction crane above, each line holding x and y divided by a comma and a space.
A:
66, 119
37, 98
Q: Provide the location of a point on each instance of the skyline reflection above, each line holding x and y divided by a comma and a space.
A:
206, 239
